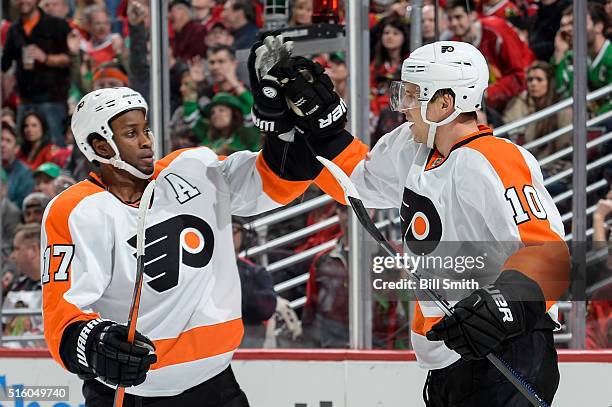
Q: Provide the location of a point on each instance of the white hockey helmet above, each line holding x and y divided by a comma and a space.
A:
454, 65
93, 115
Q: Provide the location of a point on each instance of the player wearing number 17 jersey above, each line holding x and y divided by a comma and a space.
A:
453, 181
190, 311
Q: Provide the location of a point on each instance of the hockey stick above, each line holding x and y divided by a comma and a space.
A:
354, 200
145, 201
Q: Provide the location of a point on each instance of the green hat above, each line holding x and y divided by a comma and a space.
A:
224, 99
50, 169
337, 57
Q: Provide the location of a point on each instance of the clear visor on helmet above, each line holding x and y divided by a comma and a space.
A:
403, 95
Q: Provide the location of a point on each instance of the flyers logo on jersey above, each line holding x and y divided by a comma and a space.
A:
181, 240
421, 223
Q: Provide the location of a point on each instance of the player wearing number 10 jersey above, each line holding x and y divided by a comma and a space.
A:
453, 181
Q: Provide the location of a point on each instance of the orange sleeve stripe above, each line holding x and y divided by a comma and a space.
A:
162, 163
280, 190
348, 159
199, 343
422, 324
546, 259
59, 313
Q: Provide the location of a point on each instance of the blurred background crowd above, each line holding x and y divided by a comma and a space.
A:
55, 51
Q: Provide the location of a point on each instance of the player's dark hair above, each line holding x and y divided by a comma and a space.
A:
441, 92
467, 5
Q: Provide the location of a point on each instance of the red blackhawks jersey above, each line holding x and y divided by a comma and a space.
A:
486, 189
190, 304
507, 56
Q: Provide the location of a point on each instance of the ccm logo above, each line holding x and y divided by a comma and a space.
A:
337, 113
447, 48
502, 304
263, 125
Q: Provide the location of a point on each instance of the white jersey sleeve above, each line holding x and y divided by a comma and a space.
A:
379, 174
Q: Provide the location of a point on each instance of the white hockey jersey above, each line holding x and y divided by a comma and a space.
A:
190, 304
486, 189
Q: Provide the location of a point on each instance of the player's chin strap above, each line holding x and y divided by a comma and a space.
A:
433, 126
117, 162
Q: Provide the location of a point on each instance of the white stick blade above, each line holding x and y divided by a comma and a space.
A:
345, 182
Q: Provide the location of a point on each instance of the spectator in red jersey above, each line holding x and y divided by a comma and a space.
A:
506, 54
188, 33
36, 146
500, 8
103, 45
392, 47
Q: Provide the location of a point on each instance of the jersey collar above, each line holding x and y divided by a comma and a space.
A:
436, 159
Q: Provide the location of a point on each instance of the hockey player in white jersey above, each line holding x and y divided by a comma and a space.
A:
454, 182
190, 311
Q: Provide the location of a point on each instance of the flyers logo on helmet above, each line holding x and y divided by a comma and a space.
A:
181, 240
421, 223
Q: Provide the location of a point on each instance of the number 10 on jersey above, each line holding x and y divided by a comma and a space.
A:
533, 201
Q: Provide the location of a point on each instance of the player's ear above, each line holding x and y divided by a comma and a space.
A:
102, 148
447, 101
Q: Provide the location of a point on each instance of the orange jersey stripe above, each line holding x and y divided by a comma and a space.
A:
546, 259
199, 343
59, 313
436, 158
164, 162
348, 159
421, 324
281, 190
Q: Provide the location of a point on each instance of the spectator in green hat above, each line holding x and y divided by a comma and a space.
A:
221, 125
44, 176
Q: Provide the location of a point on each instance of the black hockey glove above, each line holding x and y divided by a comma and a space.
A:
318, 109
506, 309
270, 110
99, 348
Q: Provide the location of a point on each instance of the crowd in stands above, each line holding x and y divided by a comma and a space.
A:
55, 51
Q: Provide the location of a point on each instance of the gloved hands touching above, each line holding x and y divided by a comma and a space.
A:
297, 82
270, 110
